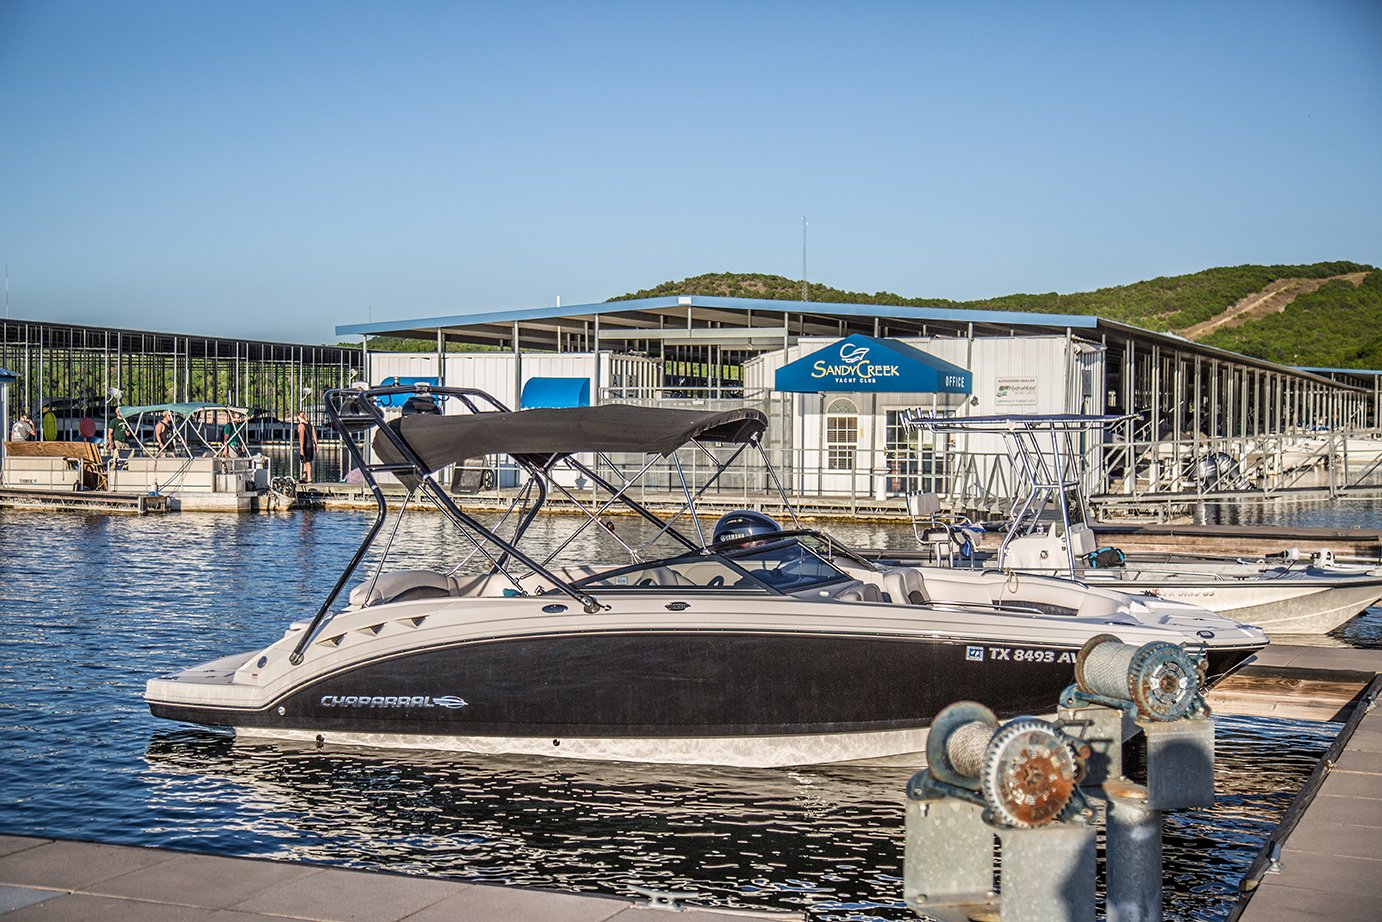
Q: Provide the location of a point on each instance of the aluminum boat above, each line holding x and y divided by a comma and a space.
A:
748, 644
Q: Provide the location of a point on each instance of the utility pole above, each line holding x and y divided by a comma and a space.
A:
804, 295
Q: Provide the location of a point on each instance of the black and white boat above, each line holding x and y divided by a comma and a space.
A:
746, 645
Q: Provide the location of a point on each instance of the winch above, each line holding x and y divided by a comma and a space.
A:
1025, 773
1157, 681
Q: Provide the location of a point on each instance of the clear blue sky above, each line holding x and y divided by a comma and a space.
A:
270, 168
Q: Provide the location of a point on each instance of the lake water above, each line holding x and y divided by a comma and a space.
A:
94, 605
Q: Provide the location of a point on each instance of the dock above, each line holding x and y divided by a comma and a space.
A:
1323, 859
83, 500
57, 880
1299, 683
1240, 540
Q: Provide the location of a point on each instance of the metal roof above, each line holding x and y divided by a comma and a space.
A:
748, 324
678, 303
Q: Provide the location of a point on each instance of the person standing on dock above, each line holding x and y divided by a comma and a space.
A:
163, 432
307, 445
23, 429
232, 441
117, 433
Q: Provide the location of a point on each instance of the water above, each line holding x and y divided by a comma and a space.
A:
92, 606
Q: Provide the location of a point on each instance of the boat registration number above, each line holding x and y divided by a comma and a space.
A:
978, 653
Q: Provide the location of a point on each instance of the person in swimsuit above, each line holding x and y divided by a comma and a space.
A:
307, 445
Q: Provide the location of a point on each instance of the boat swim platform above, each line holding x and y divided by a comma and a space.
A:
58, 880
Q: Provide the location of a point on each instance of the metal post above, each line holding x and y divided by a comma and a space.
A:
1048, 873
1133, 865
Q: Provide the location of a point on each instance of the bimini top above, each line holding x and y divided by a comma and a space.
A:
441, 440
181, 409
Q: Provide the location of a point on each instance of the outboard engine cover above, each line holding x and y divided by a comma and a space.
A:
744, 523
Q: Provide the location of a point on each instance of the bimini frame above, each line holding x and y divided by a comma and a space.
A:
354, 411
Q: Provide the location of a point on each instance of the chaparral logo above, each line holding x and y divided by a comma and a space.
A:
393, 701
855, 353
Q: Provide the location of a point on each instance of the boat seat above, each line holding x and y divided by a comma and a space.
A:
400, 586
904, 586
665, 576
861, 592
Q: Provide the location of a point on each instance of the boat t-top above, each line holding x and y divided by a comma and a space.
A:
748, 644
1050, 531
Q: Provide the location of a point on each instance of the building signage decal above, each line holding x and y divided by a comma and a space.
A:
863, 363
1016, 393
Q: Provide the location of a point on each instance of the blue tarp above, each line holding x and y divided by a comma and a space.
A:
867, 364
555, 393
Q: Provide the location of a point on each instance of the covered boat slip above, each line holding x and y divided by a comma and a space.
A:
1189, 406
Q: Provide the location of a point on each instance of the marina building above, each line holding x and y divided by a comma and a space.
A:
837, 380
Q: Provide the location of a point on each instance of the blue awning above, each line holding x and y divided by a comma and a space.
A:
7, 376
555, 393
867, 364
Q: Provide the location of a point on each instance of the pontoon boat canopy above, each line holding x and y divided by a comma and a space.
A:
182, 409
442, 440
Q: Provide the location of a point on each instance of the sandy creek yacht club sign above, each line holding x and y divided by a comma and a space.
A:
869, 364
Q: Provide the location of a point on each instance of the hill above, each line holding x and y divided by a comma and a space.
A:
1327, 314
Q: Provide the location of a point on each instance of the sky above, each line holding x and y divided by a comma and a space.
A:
271, 169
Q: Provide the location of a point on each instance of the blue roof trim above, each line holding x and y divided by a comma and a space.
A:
865, 364
1079, 321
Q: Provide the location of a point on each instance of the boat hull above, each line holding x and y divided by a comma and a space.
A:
717, 697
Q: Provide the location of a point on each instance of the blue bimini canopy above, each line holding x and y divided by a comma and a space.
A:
866, 364
555, 393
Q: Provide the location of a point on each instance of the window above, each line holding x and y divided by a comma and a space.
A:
916, 457
841, 435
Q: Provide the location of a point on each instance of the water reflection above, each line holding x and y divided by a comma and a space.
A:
95, 605
738, 836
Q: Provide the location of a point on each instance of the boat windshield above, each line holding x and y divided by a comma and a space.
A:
786, 564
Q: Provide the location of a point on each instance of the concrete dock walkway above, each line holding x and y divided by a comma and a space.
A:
57, 881
1324, 860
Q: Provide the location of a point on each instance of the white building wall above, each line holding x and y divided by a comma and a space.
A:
495, 372
1012, 375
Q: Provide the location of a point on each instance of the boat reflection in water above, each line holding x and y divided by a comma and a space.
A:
767, 838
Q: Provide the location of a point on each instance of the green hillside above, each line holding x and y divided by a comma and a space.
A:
1338, 325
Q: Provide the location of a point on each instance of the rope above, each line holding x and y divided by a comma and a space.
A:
1106, 669
967, 746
